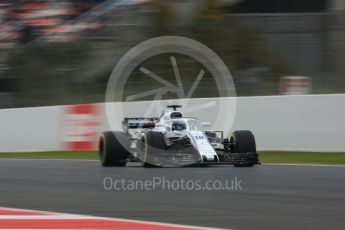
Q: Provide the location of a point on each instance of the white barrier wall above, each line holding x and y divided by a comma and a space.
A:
305, 123
30, 129
310, 123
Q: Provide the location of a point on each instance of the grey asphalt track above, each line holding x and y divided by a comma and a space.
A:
272, 197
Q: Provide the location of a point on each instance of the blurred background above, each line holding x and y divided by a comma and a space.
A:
63, 51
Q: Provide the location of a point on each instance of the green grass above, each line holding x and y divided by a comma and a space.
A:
51, 155
303, 157
265, 157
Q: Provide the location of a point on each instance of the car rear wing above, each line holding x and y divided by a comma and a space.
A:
139, 122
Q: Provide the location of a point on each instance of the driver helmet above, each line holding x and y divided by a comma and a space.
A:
179, 126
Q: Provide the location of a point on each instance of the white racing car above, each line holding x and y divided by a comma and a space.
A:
172, 140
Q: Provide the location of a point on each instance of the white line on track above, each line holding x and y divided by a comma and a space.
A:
264, 164
43, 217
267, 164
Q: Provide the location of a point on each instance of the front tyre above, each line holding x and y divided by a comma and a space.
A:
243, 148
155, 147
112, 148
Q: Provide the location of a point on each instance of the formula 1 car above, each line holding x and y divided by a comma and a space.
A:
172, 140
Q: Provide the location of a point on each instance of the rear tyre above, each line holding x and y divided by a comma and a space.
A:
154, 146
243, 142
112, 148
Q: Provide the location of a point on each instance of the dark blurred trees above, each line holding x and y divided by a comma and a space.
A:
75, 72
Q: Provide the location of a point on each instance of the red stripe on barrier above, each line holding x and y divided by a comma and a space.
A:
82, 109
80, 127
